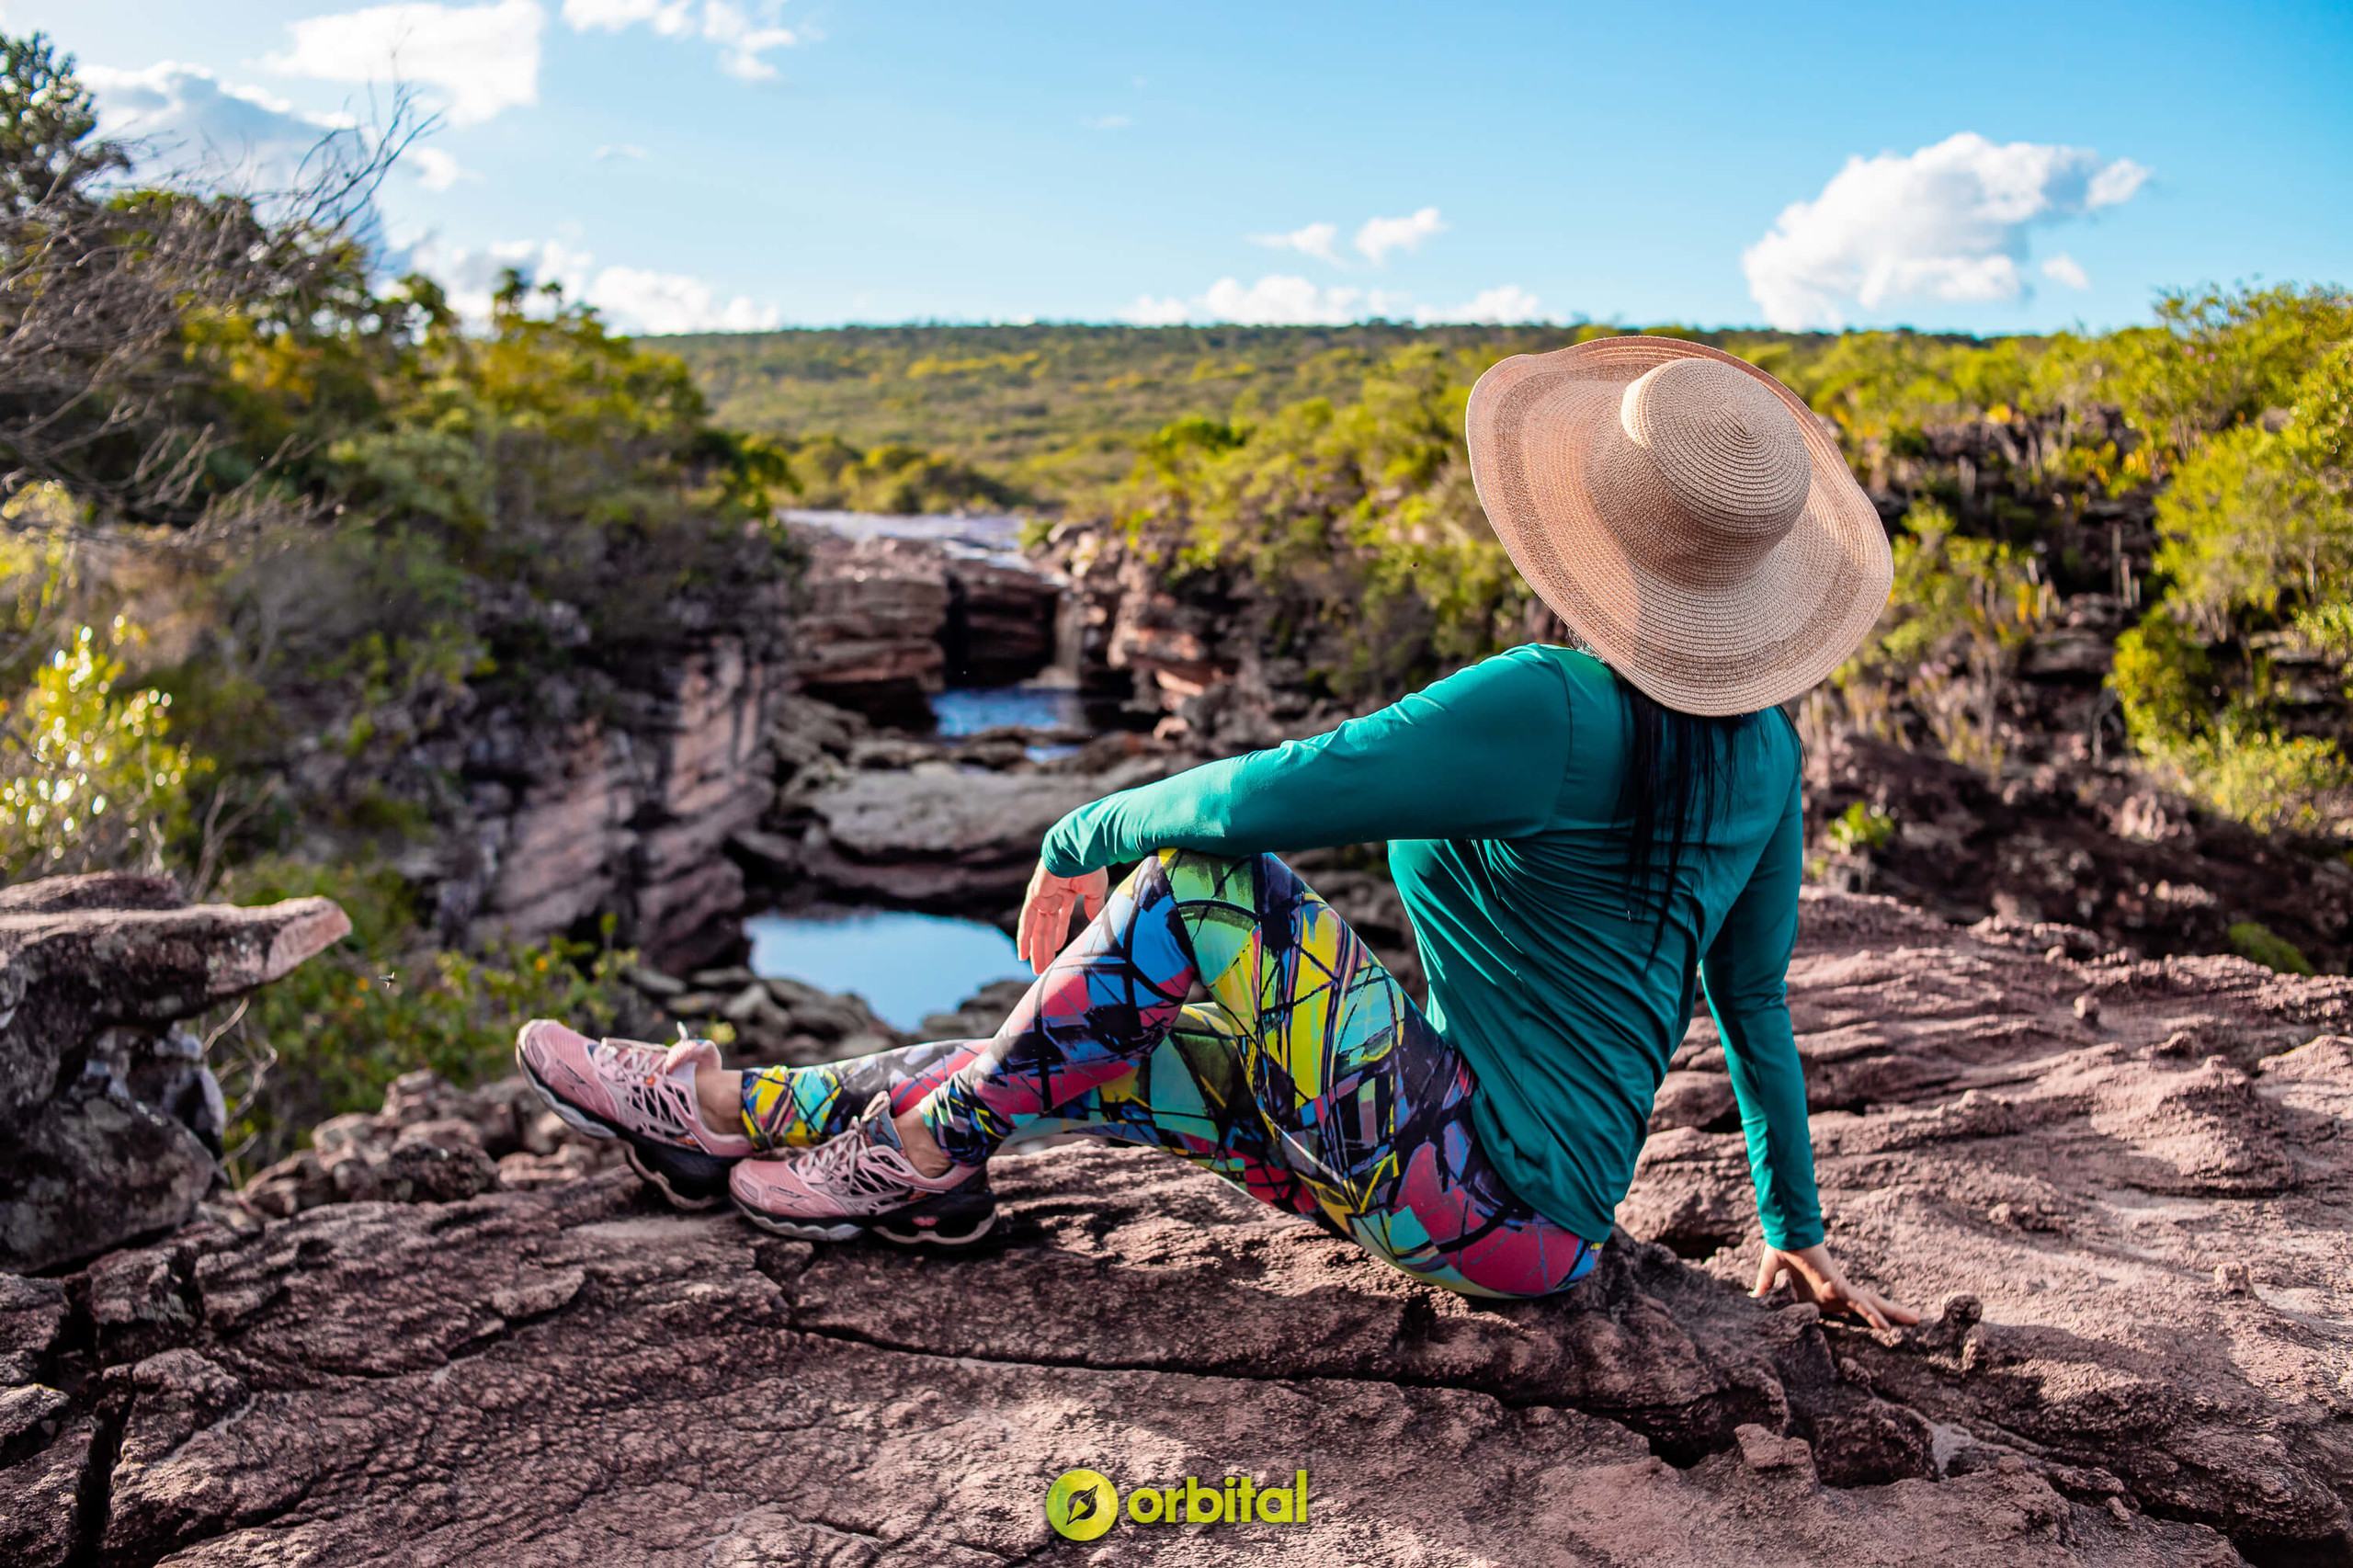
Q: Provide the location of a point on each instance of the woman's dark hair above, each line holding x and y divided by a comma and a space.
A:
1677, 770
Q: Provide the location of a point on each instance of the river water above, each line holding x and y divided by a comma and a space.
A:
907, 965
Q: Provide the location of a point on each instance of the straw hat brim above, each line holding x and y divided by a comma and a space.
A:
1534, 422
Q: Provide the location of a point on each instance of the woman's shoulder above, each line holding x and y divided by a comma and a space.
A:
1530, 673
1579, 677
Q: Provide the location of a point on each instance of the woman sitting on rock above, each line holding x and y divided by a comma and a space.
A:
1580, 837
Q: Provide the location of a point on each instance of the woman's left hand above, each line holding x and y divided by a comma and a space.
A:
1044, 926
1815, 1276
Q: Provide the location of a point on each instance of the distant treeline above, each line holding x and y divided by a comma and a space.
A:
1055, 413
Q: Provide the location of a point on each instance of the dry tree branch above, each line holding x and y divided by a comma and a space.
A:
98, 287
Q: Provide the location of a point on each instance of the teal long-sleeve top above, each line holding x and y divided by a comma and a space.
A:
1497, 790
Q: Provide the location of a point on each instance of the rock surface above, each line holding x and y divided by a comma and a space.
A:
109, 1123
2139, 1174
948, 825
2095, 847
2130, 1236
621, 812
886, 621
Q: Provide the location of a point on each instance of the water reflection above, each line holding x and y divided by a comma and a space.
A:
905, 965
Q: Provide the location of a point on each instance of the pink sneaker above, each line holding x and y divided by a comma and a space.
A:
859, 1181
644, 1094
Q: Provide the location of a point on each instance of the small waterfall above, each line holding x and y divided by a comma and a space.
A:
1070, 642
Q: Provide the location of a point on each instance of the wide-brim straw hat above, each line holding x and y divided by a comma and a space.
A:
1685, 514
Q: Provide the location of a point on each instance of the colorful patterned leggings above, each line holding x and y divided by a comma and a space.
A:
1313, 1083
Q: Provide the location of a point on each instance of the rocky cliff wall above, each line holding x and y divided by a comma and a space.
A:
644, 798
885, 622
623, 812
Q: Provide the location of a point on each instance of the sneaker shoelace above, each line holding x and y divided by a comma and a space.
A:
855, 1163
643, 1076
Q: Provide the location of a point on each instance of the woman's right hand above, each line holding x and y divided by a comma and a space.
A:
1815, 1276
1044, 926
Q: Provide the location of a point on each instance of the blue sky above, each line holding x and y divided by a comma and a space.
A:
706, 163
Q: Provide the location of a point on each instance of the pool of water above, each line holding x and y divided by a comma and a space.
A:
905, 965
968, 710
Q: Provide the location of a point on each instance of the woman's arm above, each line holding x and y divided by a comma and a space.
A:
1746, 976
1478, 755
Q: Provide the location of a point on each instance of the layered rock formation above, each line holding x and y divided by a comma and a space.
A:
109, 1123
951, 825
640, 792
622, 810
2119, 1188
886, 621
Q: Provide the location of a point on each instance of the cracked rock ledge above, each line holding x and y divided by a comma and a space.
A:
2127, 1224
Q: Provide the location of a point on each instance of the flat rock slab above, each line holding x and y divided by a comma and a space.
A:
575, 1376
2118, 1188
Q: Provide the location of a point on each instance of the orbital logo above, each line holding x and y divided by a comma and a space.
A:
1083, 1504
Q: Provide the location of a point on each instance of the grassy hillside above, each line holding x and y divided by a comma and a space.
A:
1058, 410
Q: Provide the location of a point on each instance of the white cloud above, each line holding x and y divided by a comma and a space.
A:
1505, 304
1108, 122
1381, 235
1275, 299
1947, 223
668, 17
204, 127
673, 301
478, 58
743, 41
1315, 240
1149, 311
2065, 268
632, 299
436, 170
1280, 300
2116, 183
628, 149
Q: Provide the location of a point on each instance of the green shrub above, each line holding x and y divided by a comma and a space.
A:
87, 779
2253, 940
331, 1036
2261, 778
1860, 826
1359, 517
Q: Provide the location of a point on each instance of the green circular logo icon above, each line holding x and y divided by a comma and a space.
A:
1082, 1504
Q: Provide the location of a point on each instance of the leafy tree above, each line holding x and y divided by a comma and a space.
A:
103, 281
48, 150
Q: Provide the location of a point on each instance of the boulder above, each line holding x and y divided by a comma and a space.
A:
937, 836
110, 1124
